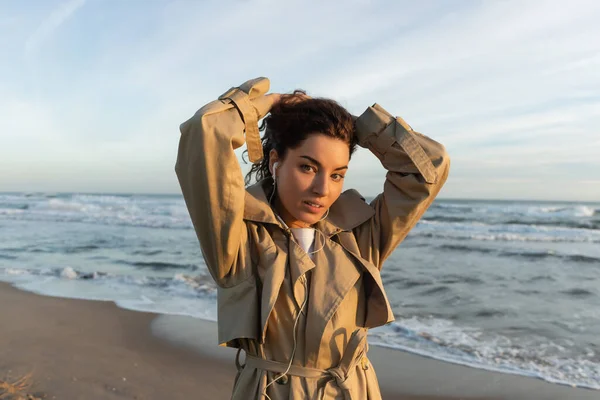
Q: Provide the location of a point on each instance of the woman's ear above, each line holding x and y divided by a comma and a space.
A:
273, 161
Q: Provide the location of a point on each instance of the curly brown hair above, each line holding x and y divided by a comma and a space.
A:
295, 117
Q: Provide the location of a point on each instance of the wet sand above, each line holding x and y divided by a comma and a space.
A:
80, 349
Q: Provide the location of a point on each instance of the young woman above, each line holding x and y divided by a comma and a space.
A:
297, 260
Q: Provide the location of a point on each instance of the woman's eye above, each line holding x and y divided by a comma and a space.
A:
337, 177
306, 168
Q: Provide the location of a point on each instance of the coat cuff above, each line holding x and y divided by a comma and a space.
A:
250, 111
378, 130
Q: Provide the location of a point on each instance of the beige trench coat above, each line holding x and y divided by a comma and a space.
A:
263, 275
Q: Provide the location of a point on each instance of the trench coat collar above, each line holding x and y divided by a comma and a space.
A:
346, 213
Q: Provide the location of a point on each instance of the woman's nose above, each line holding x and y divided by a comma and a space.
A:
321, 186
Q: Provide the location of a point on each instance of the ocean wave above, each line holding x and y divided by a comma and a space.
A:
488, 313
499, 221
538, 278
504, 236
180, 294
574, 210
458, 247
157, 265
445, 340
452, 206
196, 285
583, 216
12, 211
591, 224
81, 249
447, 218
406, 283
530, 355
516, 206
578, 292
170, 212
117, 210
13, 206
146, 252
540, 255
436, 290
137, 221
62, 249
455, 278
525, 254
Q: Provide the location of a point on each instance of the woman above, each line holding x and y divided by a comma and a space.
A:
296, 260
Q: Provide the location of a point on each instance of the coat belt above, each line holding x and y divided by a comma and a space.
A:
354, 353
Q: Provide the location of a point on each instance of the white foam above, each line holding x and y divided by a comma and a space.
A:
68, 273
142, 211
504, 232
179, 295
571, 211
15, 271
11, 211
443, 340
583, 211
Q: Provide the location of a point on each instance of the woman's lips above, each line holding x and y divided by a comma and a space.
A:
314, 208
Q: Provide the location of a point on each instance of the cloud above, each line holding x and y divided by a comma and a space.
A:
50, 24
510, 87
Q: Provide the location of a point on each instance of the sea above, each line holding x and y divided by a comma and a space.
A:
510, 286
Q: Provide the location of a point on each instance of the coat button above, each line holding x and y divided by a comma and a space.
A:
365, 364
283, 380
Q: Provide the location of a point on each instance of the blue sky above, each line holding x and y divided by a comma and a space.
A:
92, 92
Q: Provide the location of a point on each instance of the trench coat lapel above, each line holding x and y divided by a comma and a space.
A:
272, 279
257, 209
335, 274
347, 213
379, 311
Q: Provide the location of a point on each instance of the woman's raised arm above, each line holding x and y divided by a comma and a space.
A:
211, 178
417, 169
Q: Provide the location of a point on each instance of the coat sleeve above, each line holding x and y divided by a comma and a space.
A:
211, 178
417, 168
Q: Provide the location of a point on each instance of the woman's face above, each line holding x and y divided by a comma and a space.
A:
310, 178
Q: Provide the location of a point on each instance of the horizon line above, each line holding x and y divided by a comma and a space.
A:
366, 196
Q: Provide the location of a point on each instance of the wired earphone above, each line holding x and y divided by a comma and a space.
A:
302, 278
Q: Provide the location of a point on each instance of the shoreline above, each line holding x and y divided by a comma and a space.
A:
85, 349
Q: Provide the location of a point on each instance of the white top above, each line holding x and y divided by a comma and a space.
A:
305, 238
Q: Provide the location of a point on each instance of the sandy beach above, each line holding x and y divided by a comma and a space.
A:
80, 349
446, 154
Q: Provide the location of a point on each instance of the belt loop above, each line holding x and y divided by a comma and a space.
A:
250, 116
239, 366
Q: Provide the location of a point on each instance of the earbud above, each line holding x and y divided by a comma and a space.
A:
275, 166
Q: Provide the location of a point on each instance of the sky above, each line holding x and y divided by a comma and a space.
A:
92, 92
